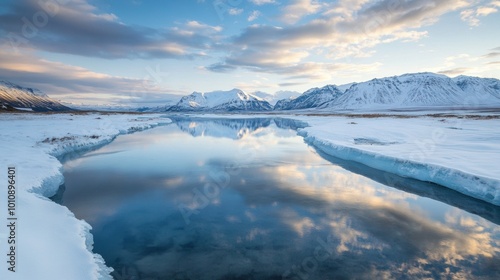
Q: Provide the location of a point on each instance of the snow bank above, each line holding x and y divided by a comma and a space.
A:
51, 242
461, 154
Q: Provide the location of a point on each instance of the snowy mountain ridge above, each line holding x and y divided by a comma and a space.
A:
414, 90
419, 90
33, 91
232, 100
479, 86
405, 91
310, 99
277, 96
22, 98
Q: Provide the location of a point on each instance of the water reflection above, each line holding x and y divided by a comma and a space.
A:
420, 188
230, 128
260, 204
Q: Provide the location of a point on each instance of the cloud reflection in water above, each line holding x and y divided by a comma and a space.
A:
284, 202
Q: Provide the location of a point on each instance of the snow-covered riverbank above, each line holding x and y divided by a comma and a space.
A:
459, 153
50, 242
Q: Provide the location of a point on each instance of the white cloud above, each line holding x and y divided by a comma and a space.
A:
495, 3
346, 8
466, 64
484, 11
340, 31
472, 15
254, 15
263, 2
235, 11
195, 25
298, 9
79, 28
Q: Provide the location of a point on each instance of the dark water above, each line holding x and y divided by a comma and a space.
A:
248, 199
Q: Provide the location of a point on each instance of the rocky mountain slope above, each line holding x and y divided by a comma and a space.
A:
312, 98
28, 99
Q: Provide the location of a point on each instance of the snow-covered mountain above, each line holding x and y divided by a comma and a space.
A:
233, 100
310, 99
274, 98
154, 109
265, 96
418, 90
21, 98
479, 86
157, 109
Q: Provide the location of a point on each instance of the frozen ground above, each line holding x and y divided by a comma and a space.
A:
51, 242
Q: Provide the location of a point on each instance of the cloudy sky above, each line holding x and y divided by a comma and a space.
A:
119, 51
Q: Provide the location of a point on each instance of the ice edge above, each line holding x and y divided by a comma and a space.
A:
485, 189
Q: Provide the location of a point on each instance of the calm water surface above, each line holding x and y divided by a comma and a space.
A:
248, 199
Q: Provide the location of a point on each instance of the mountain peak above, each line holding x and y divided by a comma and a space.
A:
422, 74
33, 91
419, 90
25, 98
231, 100
311, 98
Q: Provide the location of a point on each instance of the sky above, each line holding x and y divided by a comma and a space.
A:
143, 51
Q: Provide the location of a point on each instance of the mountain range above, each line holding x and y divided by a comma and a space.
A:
419, 90
408, 91
233, 100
